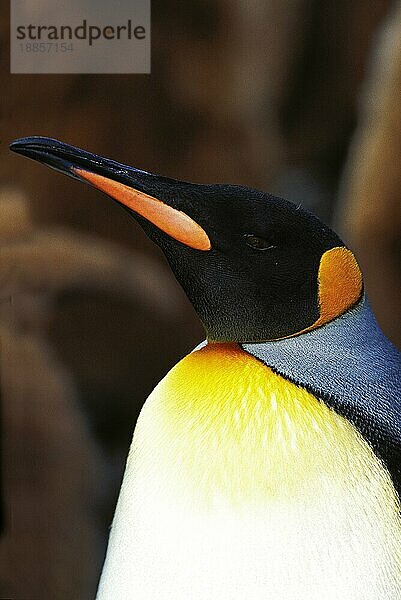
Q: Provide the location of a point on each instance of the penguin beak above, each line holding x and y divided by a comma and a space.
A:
132, 188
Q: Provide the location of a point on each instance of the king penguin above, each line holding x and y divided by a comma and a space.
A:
267, 463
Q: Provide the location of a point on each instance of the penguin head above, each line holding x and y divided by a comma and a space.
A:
254, 266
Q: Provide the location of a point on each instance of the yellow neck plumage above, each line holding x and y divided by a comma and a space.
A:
232, 428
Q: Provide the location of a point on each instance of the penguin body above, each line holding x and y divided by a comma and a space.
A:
240, 484
266, 464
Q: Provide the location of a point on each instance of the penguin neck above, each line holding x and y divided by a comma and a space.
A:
351, 347
353, 368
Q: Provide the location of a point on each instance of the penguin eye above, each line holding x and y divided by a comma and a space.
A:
257, 243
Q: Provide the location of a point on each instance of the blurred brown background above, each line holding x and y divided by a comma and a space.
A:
300, 98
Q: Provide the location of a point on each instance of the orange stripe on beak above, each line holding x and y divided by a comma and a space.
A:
174, 222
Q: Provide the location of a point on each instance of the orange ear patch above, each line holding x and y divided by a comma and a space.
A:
340, 283
340, 286
174, 222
